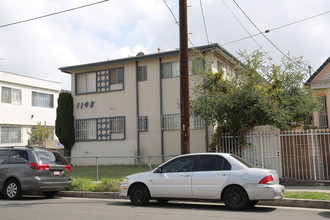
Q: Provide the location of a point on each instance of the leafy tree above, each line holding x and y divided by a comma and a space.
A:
262, 94
64, 124
38, 135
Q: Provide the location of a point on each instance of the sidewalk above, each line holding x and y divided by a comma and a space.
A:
283, 202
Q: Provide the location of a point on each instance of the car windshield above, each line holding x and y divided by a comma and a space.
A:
244, 162
51, 157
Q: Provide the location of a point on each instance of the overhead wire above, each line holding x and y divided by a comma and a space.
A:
205, 28
276, 28
176, 21
55, 13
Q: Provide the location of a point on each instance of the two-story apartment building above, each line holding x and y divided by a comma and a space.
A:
131, 105
25, 102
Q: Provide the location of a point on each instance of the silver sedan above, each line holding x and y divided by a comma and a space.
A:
205, 176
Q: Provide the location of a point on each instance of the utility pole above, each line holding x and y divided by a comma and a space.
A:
184, 79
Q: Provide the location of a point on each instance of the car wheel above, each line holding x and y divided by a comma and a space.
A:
235, 198
50, 194
253, 203
139, 195
12, 190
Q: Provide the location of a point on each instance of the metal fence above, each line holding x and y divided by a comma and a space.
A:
299, 155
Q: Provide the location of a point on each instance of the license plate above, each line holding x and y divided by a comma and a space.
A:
56, 173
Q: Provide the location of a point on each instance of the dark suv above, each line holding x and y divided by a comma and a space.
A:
28, 169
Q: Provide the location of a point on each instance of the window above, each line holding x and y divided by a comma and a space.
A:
223, 68
12, 96
116, 76
98, 129
85, 83
4, 154
170, 70
18, 156
143, 123
181, 164
10, 134
172, 122
212, 163
323, 114
42, 100
142, 73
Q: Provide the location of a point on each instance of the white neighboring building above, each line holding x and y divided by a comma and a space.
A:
130, 105
25, 101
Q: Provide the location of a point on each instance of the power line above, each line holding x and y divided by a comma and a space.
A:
260, 30
250, 36
273, 29
48, 15
207, 36
176, 21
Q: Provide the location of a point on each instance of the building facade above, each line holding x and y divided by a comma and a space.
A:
130, 106
25, 102
320, 84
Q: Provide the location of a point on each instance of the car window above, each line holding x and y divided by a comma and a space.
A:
213, 163
244, 162
51, 157
19, 156
181, 164
4, 156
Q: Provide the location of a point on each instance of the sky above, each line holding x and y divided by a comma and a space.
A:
122, 28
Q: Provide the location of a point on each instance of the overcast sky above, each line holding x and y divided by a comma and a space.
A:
122, 28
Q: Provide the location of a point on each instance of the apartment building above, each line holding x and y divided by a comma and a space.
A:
130, 106
25, 102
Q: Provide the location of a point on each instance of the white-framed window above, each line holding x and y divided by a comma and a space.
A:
143, 123
40, 99
11, 96
170, 70
142, 73
11, 134
85, 83
99, 129
222, 67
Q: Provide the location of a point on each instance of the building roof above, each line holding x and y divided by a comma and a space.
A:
318, 70
140, 57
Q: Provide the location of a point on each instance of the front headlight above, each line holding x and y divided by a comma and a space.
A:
125, 180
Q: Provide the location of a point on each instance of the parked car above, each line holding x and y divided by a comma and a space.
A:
204, 176
28, 169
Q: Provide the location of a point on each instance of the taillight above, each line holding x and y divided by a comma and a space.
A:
267, 179
67, 168
38, 166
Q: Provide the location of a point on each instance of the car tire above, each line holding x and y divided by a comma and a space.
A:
139, 195
12, 190
235, 198
50, 194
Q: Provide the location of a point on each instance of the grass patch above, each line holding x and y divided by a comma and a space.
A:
107, 172
307, 195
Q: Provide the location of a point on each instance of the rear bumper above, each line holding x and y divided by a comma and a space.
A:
37, 184
265, 192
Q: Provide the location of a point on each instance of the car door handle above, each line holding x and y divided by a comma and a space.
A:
185, 175
222, 174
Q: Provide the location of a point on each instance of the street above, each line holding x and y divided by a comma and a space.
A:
35, 208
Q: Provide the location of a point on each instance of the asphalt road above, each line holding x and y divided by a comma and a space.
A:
35, 208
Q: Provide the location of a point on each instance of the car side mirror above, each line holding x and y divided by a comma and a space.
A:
158, 170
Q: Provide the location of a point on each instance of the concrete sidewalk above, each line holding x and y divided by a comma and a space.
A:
283, 202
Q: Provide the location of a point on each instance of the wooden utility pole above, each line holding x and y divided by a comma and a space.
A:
184, 79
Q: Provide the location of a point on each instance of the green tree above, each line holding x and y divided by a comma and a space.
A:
64, 124
39, 135
262, 94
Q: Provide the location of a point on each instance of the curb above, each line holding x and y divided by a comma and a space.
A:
282, 202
